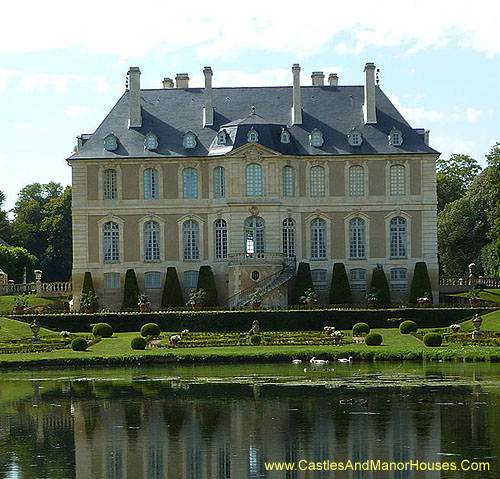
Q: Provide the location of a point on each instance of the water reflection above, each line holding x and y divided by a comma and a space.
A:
144, 428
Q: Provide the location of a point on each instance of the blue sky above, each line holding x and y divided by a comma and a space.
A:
62, 68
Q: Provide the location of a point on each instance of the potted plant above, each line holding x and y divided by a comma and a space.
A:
473, 296
20, 302
256, 298
88, 301
424, 301
337, 336
310, 297
372, 298
144, 303
196, 297
455, 328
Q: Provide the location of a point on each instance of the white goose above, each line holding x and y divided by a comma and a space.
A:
318, 361
345, 360
297, 361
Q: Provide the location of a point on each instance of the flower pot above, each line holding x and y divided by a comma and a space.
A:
87, 309
372, 303
197, 306
423, 304
144, 307
19, 309
473, 302
312, 304
256, 305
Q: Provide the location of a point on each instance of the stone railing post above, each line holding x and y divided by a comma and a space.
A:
38, 281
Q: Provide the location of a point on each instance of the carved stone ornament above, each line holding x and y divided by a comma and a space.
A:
289, 214
219, 214
317, 213
254, 211
253, 155
110, 215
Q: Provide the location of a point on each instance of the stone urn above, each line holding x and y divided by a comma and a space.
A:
144, 307
476, 322
256, 305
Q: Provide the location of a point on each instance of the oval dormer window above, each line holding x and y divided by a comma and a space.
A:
354, 137
316, 138
285, 136
110, 142
189, 140
150, 142
395, 137
252, 136
221, 137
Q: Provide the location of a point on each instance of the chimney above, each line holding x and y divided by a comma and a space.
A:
369, 108
333, 79
208, 111
296, 108
182, 80
134, 79
168, 83
318, 79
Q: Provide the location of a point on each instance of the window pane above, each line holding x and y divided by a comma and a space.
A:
358, 279
111, 280
356, 181
152, 280
254, 235
151, 241
219, 182
397, 180
318, 239
220, 232
191, 279
191, 241
317, 174
288, 181
357, 238
254, 180
190, 183
398, 237
319, 279
288, 238
150, 184
111, 242
109, 185
399, 279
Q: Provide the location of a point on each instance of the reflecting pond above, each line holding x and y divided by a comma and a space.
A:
232, 421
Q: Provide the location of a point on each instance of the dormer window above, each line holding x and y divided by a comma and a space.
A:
252, 136
110, 142
395, 137
189, 140
354, 137
316, 138
285, 136
221, 137
150, 141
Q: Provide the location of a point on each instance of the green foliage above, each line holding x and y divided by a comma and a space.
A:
102, 329
373, 339
408, 326
433, 339
303, 282
79, 344
340, 291
380, 286
14, 260
196, 296
206, 281
131, 290
172, 293
360, 328
420, 284
138, 343
310, 296
255, 339
5, 229
88, 284
150, 329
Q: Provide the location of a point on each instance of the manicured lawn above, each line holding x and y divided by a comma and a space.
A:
491, 322
11, 329
484, 294
7, 303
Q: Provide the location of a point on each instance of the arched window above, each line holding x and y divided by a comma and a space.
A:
318, 239
150, 141
398, 237
220, 240
151, 241
288, 238
189, 183
109, 184
397, 180
253, 136
356, 181
150, 184
288, 181
254, 180
191, 240
111, 242
357, 238
354, 137
395, 137
219, 182
222, 137
317, 181
254, 235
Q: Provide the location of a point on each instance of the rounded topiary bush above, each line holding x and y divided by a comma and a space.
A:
433, 339
407, 327
79, 344
360, 328
255, 339
102, 329
373, 339
138, 343
150, 329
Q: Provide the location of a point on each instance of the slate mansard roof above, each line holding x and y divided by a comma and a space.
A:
334, 110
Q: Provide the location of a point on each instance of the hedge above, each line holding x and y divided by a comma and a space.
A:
303, 282
172, 293
241, 321
206, 281
340, 291
421, 284
130, 290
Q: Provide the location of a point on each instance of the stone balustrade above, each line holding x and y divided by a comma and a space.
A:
255, 258
47, 290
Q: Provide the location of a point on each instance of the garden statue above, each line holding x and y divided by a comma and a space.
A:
477, 321
255, 327
35, 329
472, 274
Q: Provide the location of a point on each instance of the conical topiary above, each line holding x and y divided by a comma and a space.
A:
340, 291
303, 282
88, 287
172, 292
131, 290
206, 281
380, 286
421, 283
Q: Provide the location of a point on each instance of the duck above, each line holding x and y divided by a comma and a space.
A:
297, 361
318, 361
363, 403
347, 401
345, 360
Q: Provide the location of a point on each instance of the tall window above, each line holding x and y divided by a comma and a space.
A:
109, 184
318, 239
152, 280
317, 178
356, 181
288, 238
254, 180
288, 181
397, 180
254, 235
399, 280
189, 183
111, 280
191, 279
111, 238
151, 241
150, 184
357, 238
219, 182
319, 277
357, 279
191, 240
220, 231
398, 237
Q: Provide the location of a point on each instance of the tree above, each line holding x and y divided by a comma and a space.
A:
380, 286
15, 260
303, 282
340, 291
206, 281
5, 230
172, 292
421, 284
130, 291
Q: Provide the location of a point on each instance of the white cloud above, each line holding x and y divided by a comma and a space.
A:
74, 111
23, 126
473, 114
101, 85
3, 159
417, 114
